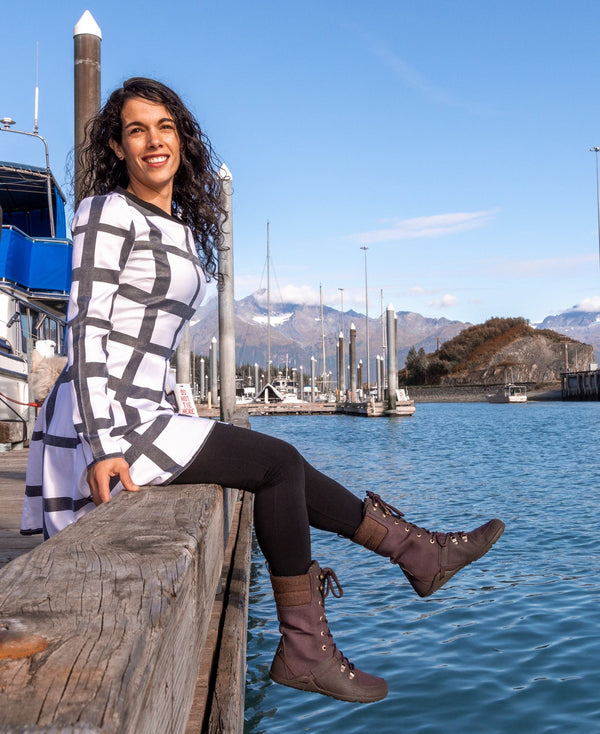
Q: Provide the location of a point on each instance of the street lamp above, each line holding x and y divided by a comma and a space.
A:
365, 248
596, 150
341, 290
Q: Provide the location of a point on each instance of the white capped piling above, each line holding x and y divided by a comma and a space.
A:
392, 357
359, 378
202, 380
87, 38
213, 372
313, 387
301, 382
226, 302
378, 364
352, 359
256, 387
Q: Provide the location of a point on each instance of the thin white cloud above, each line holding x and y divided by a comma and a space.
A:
297, 294
410, 76
446, 301
437, 225
591, 305
406, 73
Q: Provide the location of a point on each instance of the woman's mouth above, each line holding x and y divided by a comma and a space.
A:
156, 160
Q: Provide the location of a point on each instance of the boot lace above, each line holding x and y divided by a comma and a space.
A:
330, 583
391, 511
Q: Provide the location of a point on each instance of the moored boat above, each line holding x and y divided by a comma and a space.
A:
35, 278
510, 393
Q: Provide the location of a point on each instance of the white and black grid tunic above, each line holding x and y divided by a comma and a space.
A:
136, 283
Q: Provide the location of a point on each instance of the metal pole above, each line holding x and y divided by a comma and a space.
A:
341, 367
352, 359
227, 302
596, 150
341, 290
268, 307
383, 342
87, 38
202, 380
214, 372
182, 358
365, 248
322, 336
392, 357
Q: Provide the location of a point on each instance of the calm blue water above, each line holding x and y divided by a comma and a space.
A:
512, 643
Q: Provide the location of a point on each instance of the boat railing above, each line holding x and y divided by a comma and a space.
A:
35, 263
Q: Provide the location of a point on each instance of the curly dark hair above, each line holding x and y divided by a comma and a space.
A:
196, 186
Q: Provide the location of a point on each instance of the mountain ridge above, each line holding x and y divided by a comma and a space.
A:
296, 331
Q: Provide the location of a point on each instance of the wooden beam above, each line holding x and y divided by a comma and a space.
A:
123, 598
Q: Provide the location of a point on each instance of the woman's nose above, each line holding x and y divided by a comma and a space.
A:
153, 139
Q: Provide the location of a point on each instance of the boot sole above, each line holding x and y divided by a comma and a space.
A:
309, 685
439, 580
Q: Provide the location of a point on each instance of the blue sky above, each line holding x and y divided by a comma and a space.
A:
450, 137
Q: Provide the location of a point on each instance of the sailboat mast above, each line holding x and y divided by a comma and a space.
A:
268, 307
322, 334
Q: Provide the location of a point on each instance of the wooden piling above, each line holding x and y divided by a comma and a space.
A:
87, 38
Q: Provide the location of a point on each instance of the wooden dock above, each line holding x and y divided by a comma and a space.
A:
142, 609
580, 385
371, 409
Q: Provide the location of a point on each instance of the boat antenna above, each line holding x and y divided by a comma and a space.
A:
268, 307
324, 376
37, 88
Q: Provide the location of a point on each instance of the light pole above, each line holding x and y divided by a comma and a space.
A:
596, 150
365, 248
341, 290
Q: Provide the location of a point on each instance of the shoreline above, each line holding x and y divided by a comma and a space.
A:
476, 393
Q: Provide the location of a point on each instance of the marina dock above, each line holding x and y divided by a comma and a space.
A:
138, 610
581, 385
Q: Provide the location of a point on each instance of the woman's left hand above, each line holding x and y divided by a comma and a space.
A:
100, 474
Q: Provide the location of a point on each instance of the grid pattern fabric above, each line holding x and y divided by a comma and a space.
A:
136, 282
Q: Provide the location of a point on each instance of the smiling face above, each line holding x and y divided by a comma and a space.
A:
150, 147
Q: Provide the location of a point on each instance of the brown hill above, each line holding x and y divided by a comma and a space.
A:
502, 350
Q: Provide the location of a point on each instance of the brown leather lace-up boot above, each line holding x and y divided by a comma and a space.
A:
307, 657
427, 559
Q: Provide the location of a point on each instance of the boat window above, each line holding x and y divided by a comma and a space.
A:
5, 347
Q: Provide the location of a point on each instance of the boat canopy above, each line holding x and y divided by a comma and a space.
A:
30, 256
24, 200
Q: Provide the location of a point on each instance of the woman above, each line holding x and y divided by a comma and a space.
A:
144, 244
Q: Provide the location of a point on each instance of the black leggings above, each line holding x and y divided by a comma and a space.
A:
290, 494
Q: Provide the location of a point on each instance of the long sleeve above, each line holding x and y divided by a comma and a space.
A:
103, 237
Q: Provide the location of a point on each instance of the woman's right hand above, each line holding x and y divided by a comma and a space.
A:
100, 474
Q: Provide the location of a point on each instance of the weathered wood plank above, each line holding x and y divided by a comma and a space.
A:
12, 491
219, 698
123, 597
227, 704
